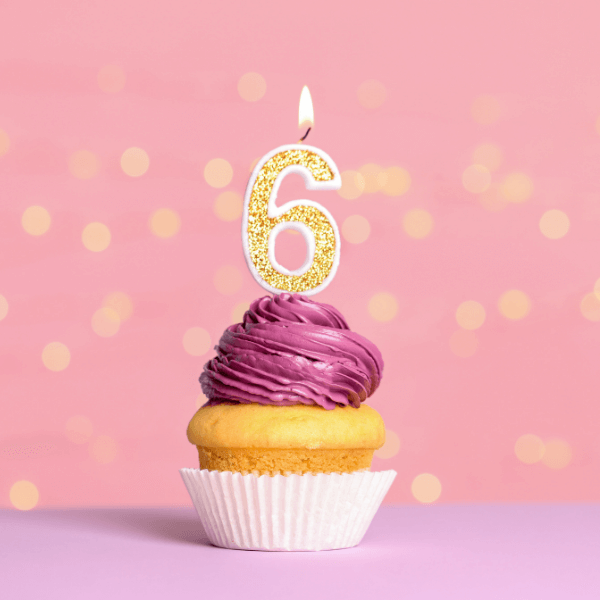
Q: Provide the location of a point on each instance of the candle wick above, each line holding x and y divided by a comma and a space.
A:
305, 135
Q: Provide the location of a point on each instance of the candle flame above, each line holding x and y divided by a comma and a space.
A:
306, 116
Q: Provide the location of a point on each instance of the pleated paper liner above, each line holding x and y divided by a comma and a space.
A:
325, 511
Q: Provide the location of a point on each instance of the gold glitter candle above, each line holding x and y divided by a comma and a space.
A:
263, 220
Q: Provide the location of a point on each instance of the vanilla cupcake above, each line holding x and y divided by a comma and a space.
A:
272, 440
285, 412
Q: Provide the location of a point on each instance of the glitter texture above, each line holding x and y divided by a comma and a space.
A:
260, 225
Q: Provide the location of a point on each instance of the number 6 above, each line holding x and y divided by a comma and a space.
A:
263, 221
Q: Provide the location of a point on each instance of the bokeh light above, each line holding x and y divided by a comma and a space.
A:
558, 454
103, 449
79, 429
252, 87
470, 314
111, 79
464, 343
514, 304
397, 181
426, 488
529, 448
374, 177
590, 306
135, 161
4, 142
516, 188
391, 446
164, 223
218, 173
196, 341
476, 179
237, 314
353, 185
492, 199
486, 109
417, 223
3, 307
56, 356
228, 280
106, 322
36, 220
356, 229
597, 288
383, 307
488, 155
84, 164
96, 237
371, 94
24, 495
228, 206
121, 303
554, 224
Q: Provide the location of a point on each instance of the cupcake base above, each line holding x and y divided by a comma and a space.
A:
285, 461
323, 511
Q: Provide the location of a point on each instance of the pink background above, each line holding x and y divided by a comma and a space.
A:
457, 417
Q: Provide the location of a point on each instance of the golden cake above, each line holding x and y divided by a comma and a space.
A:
270, 440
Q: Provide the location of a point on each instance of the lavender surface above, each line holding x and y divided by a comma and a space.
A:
292, 350
441, 552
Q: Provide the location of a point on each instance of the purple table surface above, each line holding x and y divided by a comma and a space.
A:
469, 552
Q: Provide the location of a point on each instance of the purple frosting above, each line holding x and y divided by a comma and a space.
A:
292, 350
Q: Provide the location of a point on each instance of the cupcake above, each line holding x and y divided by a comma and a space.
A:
285, 442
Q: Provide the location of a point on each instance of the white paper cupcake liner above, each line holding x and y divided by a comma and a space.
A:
325, 511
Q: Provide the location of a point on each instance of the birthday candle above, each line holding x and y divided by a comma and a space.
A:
263, 221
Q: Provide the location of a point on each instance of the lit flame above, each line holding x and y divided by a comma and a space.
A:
306, 116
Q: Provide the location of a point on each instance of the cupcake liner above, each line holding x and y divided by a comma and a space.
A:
324, 511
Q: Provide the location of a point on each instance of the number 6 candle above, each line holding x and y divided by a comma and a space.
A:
263, 221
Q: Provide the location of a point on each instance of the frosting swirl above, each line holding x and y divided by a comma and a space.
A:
292, 350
